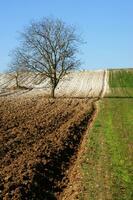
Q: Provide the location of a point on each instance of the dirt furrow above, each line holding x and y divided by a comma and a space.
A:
40, 139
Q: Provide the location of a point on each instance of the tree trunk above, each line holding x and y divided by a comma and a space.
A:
17, 84
53, 92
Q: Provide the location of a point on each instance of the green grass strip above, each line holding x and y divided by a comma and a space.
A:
108, 161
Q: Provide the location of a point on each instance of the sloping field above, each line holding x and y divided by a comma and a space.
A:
107, 166
39, 139
82, 84
121, 83
75, 84
45, 145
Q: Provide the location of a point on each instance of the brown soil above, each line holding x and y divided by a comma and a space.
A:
75, 187
39, 141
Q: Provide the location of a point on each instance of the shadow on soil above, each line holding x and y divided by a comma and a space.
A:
6, 93
50, 179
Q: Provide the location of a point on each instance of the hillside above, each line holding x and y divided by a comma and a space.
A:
76, 146
107, 165
75, 84
121, 83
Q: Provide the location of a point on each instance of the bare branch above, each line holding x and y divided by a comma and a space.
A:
48, 47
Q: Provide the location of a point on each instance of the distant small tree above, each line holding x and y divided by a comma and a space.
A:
16, 68
49, 47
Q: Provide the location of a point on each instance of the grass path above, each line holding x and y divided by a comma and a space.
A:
107, 165
97, 176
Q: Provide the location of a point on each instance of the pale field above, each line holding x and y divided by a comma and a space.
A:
75, 84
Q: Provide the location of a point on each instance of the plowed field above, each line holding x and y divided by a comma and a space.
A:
39, 139
76, 84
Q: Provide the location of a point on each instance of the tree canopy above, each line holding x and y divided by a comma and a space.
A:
48, 47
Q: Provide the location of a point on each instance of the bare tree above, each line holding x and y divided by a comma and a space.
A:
16, 67
49, 47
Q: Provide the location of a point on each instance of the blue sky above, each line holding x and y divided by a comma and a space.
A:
106, 27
